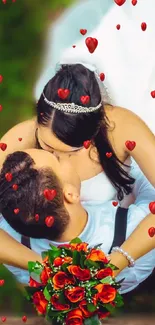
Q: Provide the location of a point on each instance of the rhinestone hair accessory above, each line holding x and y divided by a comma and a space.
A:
71, 107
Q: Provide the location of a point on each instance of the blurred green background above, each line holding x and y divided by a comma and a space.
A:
23, 26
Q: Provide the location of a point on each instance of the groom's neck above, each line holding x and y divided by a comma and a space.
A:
78, 220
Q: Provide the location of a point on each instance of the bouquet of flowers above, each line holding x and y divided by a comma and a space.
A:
74, 285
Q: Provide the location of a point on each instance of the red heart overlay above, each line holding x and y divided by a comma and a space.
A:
8, 177
49, 221
130, 145
63, 93
91, 44
50, 194
152, 207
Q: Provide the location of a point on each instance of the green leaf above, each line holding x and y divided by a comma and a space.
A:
44, 254
91, 307
119, 300
76, 241
64, 267
107, 280
76, 258
29, 291
82, 259
35, 267
47, 294
62, 299
110, 308
113, 267
92, 321
53, 253
90, 264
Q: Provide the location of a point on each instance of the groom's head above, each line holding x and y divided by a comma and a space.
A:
26, 181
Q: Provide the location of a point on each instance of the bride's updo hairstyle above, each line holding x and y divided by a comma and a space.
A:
73, 129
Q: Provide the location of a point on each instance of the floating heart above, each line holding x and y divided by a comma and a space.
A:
1, 78
20, 139
86, 144
50, 194
130, 145
153, 93
102, 76
151, 232
63, 93
2, 282
134, 2
118, 26
4, 1
85, 99
8, 177
83, 31
120, 2
74, 46
3, 146
49, 221
36, 217
24, 319
15, 187
1, 107
152, 207
143, 26
91, 44
108, 154
3, 319
115, 203
16, 211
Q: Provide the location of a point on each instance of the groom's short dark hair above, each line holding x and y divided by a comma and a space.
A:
29, 198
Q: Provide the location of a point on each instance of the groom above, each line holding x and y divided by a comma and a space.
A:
43, 202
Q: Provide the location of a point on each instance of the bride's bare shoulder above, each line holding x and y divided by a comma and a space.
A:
118, 114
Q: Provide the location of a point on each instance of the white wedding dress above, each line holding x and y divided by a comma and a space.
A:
125, 56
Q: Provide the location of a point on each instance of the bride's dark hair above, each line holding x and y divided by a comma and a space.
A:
74, 129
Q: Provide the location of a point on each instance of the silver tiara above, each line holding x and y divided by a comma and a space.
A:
71, 107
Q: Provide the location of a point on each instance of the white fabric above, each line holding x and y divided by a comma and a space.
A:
100, 229
126, 57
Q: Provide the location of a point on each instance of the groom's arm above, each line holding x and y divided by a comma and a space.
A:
15, 254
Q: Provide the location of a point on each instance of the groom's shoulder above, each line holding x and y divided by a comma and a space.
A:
102, 211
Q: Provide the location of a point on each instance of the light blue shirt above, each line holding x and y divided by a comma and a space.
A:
100, 229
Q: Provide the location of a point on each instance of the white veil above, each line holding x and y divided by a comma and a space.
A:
125, 56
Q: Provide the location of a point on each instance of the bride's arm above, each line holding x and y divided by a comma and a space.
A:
134, 129
15, 254
138, 244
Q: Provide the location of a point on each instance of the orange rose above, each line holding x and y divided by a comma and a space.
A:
59, 260
106, 293
103, 273
40, 302
34, 284
97, 256
80, 274
74, 317
83, 307
102, 315
80, 247
75, 294
45, 275
60, 279
57, 305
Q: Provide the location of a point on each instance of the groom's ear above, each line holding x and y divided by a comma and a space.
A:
71, 194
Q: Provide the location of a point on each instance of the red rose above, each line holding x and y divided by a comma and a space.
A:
34, 284
74, 317
103, 273
80, 274
83, 307
79, 247
40, 302
106, 293
97, 256
45, 275
75, 294
57, 305
103, 315
60, 279
59, 260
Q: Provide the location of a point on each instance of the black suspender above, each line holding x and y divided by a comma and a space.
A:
119, 233
25, 241
120, 227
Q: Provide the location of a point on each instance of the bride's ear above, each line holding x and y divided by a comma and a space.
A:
71, 195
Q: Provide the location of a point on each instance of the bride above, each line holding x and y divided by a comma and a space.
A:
93, 165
